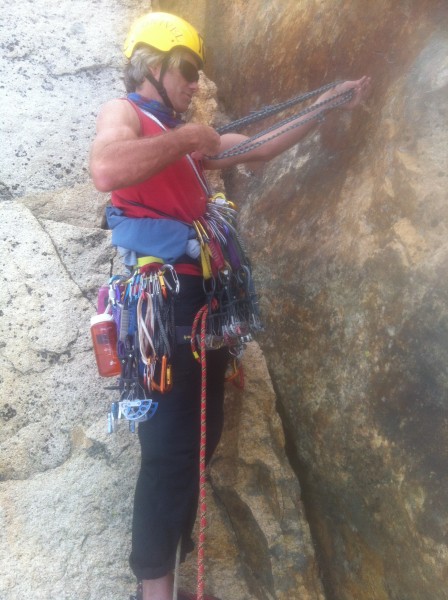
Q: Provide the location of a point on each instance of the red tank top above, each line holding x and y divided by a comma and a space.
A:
176, 191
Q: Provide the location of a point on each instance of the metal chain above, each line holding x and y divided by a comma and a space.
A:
250, 143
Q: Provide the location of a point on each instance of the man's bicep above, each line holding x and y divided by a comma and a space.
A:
109, 135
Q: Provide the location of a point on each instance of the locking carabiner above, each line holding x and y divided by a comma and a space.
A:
166, 380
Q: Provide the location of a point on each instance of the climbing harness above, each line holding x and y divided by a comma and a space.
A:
143, 309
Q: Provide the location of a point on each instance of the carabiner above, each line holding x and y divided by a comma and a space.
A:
162, 284
166, 380
175, 278
237, 374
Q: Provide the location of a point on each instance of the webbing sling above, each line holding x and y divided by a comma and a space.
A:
251, 143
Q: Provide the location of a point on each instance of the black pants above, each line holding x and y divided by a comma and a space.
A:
166, 494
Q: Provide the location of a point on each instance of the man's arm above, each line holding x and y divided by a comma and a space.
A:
290, 137
120, 157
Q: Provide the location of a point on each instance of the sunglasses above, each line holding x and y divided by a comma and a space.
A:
189, 71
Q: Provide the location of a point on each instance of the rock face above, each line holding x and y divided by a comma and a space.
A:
348, 233
250, 478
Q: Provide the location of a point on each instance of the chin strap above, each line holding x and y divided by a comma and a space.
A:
158, 84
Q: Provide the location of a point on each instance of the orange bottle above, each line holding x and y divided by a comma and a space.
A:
104, 337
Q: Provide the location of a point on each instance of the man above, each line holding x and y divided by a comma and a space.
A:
153, 164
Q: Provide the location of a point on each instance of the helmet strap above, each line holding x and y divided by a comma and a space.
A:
158, 84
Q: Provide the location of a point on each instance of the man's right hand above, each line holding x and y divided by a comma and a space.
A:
201, 140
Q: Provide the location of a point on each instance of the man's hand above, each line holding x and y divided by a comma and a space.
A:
201, 140
360, 87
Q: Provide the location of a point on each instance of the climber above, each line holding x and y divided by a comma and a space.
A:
153, 163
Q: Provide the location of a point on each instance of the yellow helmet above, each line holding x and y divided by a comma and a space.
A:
164, 32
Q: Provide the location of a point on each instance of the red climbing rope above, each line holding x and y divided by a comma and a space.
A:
201, 358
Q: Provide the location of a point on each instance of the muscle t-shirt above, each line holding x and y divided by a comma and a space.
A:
176, 191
